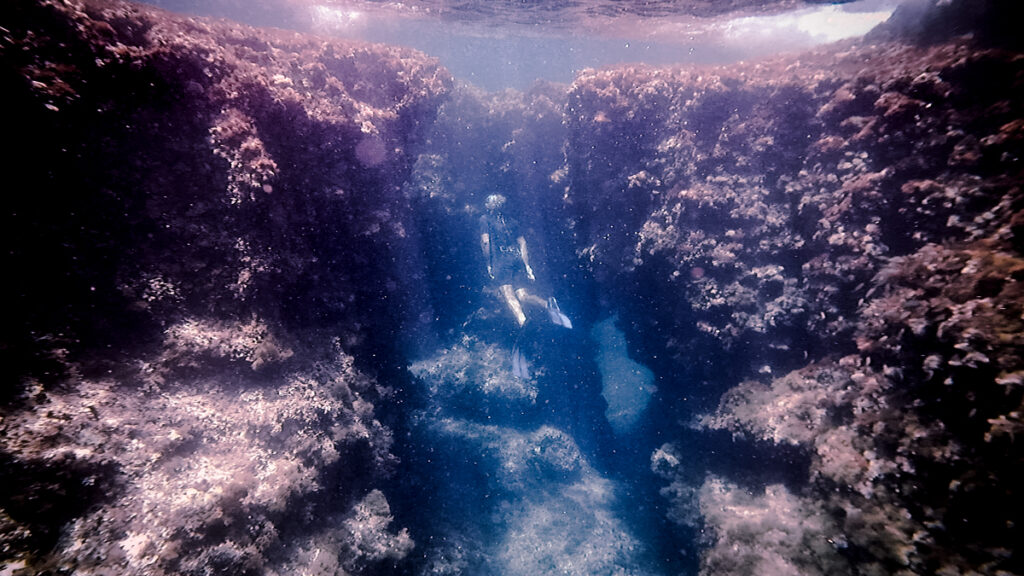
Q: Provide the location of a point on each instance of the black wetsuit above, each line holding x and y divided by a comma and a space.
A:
504, 257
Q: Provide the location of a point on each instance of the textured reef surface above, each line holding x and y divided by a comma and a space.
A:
247, 330
841, 234
180, 397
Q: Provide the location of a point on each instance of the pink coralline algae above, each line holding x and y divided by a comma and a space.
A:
172, 409
910, 438
850, 219
228, 241
788, 183
202, 466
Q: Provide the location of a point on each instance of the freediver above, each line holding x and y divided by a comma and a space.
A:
508, 261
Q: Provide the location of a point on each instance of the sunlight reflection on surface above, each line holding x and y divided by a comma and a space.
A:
557, 45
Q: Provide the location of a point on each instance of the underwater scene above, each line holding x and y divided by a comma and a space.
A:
512, 288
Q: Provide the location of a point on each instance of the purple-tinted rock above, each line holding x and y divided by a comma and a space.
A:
191, 203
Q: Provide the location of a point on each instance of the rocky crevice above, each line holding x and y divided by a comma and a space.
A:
226, 245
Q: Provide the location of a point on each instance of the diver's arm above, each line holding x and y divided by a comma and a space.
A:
485, 246
526, 258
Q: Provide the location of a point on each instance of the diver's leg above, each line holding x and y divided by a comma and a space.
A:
512, 302
525, 255
524, 296
556, 315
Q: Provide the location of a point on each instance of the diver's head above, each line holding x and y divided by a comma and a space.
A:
494, 202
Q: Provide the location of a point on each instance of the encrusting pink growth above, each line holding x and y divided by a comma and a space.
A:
207, 466
843, 230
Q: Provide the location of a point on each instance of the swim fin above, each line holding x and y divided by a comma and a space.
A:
557, 317
520, 369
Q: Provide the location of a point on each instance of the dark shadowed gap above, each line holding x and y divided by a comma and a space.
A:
47, 495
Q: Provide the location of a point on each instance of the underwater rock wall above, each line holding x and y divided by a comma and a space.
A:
837, 236
768, 195
215, 152
205, 241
